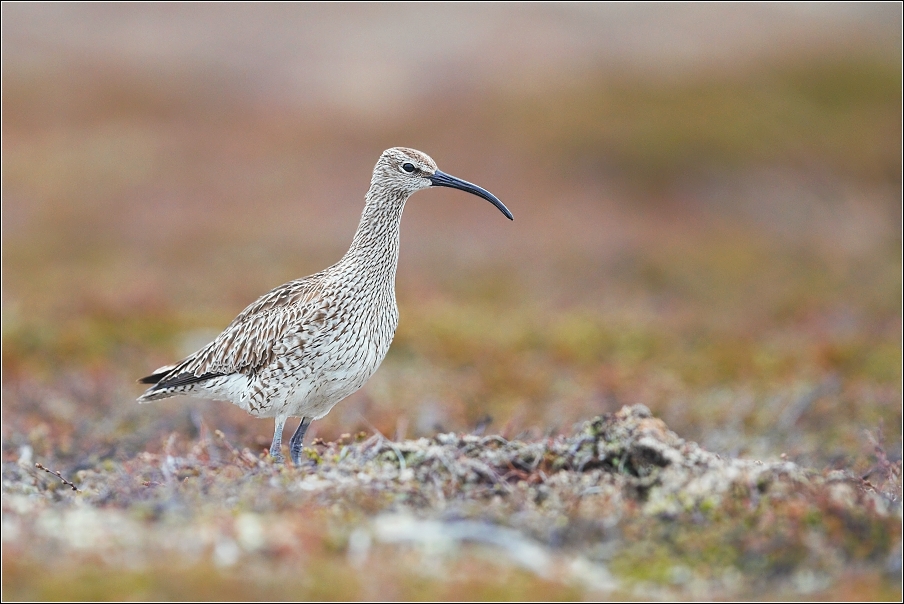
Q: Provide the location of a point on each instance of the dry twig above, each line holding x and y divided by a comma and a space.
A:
58, 475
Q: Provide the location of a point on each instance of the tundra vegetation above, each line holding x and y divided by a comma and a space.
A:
677, 374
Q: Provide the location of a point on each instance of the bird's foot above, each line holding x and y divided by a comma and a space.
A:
300, 460
296, 458
276, 456
296, 446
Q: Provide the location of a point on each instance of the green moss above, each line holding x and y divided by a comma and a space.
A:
313, 455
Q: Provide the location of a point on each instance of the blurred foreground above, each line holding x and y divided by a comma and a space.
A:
714, 236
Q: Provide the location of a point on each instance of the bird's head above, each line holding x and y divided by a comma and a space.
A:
407, 170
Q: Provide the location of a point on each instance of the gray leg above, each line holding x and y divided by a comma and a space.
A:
276, 445
295, 445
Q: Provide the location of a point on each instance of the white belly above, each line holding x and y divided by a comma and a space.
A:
310, 384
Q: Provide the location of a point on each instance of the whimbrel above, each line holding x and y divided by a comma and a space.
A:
306, 345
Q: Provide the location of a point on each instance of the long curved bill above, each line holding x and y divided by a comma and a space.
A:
441, 179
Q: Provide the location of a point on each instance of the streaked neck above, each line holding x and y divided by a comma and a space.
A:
375, 246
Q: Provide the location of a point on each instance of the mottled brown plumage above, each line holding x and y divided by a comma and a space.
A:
306, 345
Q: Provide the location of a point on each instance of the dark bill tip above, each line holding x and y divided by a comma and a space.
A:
441, 179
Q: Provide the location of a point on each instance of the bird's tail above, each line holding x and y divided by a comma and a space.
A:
155, 393
172, 380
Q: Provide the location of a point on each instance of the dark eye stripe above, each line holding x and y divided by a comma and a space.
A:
408, 167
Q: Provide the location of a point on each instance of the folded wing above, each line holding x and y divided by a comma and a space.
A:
288, 317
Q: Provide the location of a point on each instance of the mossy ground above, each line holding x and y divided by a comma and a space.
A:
620, 508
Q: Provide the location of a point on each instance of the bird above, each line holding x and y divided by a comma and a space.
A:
304, 346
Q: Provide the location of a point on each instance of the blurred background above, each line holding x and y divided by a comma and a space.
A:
707, 205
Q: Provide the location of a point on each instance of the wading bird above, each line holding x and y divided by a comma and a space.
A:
306, 345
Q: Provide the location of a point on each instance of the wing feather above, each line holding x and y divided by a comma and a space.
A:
287, 317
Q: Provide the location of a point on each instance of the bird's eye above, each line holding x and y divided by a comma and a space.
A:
408, 167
